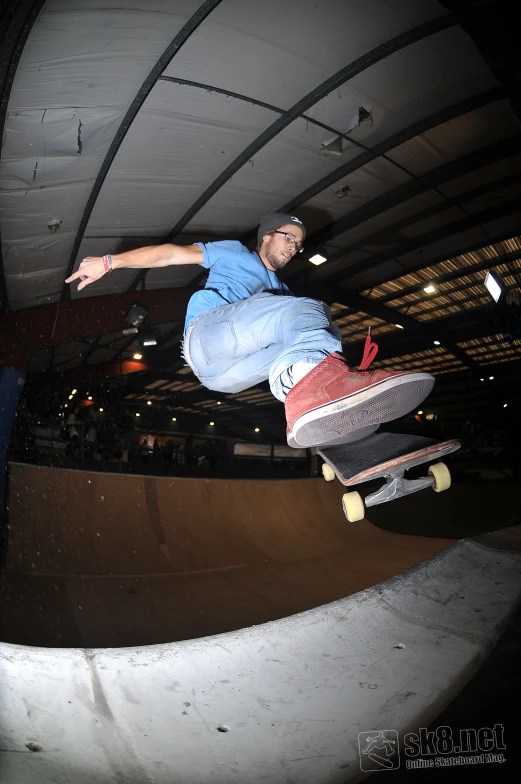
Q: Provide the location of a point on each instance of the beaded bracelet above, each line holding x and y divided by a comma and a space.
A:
107, 263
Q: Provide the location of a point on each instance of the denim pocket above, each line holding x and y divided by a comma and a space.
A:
218, 341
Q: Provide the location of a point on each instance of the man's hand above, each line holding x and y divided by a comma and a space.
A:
91, 268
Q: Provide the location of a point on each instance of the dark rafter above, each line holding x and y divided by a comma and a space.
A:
17, 21
341, 77
396, 140
452, 275
184, 34
405, 192
415, 243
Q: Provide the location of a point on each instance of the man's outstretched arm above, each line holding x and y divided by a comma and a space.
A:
93, 267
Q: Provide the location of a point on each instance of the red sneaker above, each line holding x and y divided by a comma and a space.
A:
331, 403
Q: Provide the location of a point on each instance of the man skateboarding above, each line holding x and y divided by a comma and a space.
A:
245, 327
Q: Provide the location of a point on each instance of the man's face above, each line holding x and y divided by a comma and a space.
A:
277, 250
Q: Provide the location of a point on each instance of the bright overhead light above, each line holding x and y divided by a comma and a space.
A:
174, 419
219, 403
481, 379
70, 397
505, 405
430, 289
66, 404
257, 429
437, 343
317, 259
212, 424
420, 412
137, 413
399, 326
494, 285
149, 402
149, 342
74, 391
491, 378
138, 356
101, 411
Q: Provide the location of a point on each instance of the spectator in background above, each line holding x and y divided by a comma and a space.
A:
73, 434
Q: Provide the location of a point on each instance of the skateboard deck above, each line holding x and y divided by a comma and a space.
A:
386, 455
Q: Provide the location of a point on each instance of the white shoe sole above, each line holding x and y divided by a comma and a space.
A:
390, 399
345, 438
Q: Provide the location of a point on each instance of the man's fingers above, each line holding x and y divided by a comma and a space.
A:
73, 277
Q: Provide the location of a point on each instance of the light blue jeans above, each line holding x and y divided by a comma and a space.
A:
234, 347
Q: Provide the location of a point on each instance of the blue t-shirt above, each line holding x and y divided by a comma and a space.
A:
235, 273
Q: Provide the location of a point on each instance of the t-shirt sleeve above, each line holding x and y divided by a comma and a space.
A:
207, 253
213, 251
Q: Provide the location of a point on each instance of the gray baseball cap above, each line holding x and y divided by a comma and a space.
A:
274, 220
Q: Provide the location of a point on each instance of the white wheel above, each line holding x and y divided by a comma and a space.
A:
353, 506
441, 475
327, 472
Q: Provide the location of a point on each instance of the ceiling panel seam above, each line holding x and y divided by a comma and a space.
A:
263, 105
377, 54
173, 48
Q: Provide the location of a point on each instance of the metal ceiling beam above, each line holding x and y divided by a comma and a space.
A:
453, 275
334, 229
409, 190
172, 49
18, 18
341, 77
416, 243
385, 146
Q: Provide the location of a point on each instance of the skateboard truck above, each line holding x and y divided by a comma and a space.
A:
396, 487
387, 456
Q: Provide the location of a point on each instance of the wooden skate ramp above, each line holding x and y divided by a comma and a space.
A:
109, 560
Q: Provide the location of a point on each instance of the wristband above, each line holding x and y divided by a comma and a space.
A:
107, 263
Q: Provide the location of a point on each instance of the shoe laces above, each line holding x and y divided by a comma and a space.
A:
370, 352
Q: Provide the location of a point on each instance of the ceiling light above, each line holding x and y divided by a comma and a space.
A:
494, 286
212, 424
317, 259
491, 378
257, 429
420, 412
89, 397
66, 404
149, 340
437, 343
174, 419
101, 411
74, 391
399, 326
138, 356
481, 379
430, 289
219, 403
137, 413
149, 402
70, 397
505, 405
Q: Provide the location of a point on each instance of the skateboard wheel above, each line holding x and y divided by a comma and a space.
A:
441, 475
353, 506
328, 473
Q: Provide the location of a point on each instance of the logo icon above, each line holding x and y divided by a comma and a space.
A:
296, 220
378, 750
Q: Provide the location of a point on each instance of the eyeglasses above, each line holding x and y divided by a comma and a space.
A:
291, 240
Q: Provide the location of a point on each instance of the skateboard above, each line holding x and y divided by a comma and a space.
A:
387, 455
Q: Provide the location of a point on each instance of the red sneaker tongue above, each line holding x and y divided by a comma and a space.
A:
370, 352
